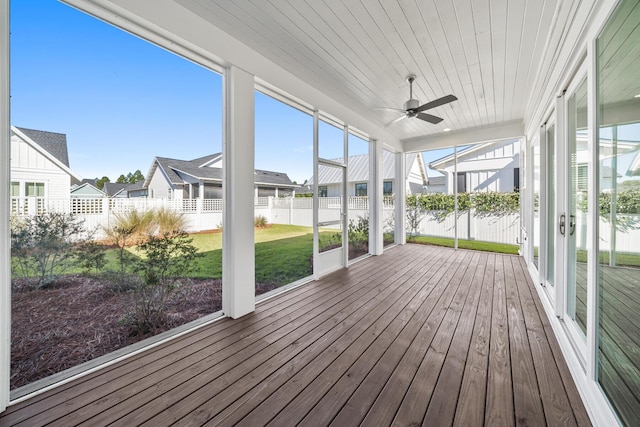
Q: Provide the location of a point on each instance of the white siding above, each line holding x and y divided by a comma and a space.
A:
29, 165
159, 187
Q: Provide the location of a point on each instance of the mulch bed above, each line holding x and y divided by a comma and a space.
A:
79, 318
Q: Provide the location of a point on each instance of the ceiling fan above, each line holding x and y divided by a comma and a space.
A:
412, 107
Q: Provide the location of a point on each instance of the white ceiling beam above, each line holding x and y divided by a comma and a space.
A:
505, 130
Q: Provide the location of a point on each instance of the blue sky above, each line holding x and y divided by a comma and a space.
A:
121, 100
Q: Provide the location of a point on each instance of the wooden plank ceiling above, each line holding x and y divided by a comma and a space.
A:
486, 52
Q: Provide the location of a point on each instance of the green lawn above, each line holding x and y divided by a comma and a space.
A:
282, 252
465, 244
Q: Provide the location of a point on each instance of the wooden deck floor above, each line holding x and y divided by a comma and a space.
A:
420, 335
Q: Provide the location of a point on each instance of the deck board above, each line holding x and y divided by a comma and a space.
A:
419, 335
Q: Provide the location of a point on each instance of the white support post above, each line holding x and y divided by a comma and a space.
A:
316, 200
345, 198
238, 254
5, 177
400, 202
376, 169
455, 196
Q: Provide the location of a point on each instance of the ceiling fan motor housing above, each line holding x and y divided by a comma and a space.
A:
411, 104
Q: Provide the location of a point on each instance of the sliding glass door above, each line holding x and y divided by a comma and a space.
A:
577, 208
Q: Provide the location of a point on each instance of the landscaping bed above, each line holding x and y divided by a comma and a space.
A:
79, 318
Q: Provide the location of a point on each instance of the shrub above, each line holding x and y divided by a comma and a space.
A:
131, 228
91, 256
43, 245
358, 231
260, 221
168, 221
414, 213
134, 228
165, 258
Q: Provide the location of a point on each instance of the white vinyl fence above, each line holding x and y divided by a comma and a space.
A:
206, 214
503, 228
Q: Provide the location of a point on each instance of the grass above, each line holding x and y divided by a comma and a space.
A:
282, 254
465, 244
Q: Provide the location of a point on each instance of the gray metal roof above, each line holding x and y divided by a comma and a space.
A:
359, 169
54, 143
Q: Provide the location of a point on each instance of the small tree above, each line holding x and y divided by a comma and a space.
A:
91, 256
43, 245
414, 214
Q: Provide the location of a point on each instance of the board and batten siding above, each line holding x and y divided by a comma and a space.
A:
29, 165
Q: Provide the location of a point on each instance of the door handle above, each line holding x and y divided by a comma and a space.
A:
562, 224
572, 224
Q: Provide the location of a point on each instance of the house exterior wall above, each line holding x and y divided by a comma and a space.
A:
487, 170
159, 187
29, 165
414, 179
87, 192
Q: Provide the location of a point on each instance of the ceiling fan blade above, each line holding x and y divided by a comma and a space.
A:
394, 121
429, 118
436, 103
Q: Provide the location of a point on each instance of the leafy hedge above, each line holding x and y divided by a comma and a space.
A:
484, 203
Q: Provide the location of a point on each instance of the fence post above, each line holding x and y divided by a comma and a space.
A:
32, 206
291, 209
106, 208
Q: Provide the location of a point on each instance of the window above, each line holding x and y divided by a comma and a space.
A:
34, 189
582, 177
361, 189
15, 189
462, 182
516, 180
387, 188
322, 191
169, 193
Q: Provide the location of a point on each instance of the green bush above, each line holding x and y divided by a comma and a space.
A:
358, 231
165, 259
44, 246
91, 256
442, 205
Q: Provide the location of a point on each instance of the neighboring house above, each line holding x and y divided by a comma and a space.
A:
40, 164
87, 189
117, 190
202, 178
492, 166
435, 184
358, 178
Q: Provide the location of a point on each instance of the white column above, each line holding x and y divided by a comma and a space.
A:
5, 238
400, 202
375, 197
238, 266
